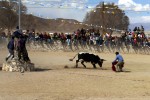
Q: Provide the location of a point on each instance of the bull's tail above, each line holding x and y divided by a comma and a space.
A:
73, 57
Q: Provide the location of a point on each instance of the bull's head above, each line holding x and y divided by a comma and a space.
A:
101, 62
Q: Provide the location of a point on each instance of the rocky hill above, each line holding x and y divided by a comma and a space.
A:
58, 25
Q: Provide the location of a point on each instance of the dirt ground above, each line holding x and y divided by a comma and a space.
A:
51, 81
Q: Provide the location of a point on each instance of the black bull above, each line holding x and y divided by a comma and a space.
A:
87, 57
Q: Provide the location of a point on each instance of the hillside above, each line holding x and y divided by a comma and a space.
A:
62, 25
56, 25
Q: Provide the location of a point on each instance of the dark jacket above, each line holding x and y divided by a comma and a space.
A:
21, 44
17, 34
11, 44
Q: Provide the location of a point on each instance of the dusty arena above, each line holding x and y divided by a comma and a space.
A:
55, 78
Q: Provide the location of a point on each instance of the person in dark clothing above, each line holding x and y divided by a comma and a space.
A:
10, 47
135, 29
17, 33
22, 51
68, 39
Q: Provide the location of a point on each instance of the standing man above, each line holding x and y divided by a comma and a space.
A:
22, 51
119, 62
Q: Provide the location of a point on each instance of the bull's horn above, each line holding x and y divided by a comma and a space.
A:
103, 59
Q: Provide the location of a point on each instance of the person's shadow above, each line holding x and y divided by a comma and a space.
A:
124, 71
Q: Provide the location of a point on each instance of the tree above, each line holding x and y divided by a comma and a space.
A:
108, 16
9, 15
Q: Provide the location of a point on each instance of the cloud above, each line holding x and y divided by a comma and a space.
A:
140, 7
39, 0
70, 9
59, 13
131, 5
77, 9
58, 3
140, 19
145, 19
127, 3
139, 11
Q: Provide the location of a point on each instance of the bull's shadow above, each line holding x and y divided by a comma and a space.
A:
41, 69
98, 68
91, 68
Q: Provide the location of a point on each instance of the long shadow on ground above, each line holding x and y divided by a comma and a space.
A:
91, 68
41, 69
73, 67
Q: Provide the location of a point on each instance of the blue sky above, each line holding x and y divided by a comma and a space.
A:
137, 10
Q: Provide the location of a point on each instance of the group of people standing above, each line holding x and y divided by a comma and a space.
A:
86, 38
17, 44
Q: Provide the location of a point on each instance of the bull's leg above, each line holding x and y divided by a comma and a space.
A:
77, 63
100, 64
82, 62
94, 66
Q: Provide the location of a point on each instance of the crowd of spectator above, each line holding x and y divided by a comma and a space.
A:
87, 38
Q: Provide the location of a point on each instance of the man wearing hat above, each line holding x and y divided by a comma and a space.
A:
119, 62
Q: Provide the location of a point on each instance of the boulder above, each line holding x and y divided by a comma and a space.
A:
16, 66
